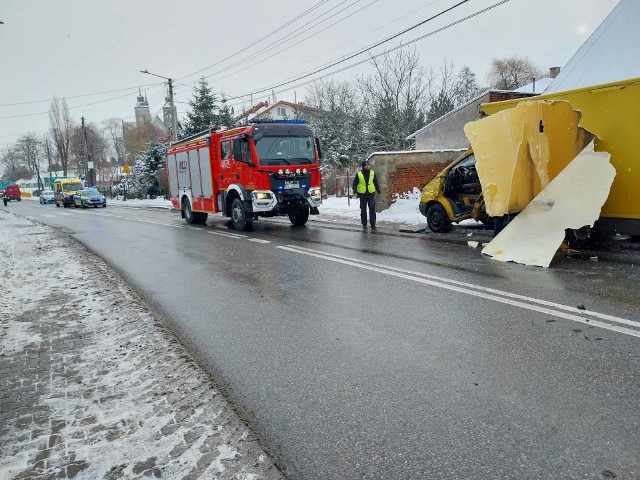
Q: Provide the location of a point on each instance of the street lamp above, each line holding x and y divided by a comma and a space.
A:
174, 123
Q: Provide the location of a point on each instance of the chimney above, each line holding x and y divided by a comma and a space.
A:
554, 71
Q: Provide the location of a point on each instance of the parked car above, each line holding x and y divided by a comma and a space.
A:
46, 196
89, 197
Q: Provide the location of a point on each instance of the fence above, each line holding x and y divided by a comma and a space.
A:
338, 185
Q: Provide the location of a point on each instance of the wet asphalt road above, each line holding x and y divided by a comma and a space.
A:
350, 362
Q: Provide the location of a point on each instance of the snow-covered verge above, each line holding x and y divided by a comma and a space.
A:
92, 385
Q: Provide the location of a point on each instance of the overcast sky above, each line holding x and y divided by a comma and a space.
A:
75, 48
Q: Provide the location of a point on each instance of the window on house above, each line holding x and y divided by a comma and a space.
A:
282, 112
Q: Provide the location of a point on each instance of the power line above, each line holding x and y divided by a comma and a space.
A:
422, 37
76, 96
368, 33
310, 9
365, 49
287, 48
76, 106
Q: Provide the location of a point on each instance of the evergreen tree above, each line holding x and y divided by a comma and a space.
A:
466, 86
224, 117
203, 109
440, 105
144, 180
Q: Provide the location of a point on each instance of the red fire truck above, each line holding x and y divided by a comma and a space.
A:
264, 169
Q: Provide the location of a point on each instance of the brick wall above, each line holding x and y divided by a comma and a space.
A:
401, 172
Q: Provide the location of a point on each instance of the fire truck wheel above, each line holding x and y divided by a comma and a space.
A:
300, 216
238, 215
187, 213
201, 217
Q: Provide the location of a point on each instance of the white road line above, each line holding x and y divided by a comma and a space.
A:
229, 235
259, 240
481, 292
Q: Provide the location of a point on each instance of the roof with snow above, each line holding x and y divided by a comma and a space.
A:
475, 99
537, 86
609, 54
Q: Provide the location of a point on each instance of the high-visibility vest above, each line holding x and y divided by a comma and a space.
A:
364, 187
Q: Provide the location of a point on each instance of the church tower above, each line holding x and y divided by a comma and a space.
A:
143, 114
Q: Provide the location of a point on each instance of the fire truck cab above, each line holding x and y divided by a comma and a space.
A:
267, 168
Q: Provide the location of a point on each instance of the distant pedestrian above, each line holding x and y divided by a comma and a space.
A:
365, 184
5, 198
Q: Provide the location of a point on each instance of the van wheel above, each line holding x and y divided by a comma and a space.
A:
437, 219
187, 212
239, 216
300, 216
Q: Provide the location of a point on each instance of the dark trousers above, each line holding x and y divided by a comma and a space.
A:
499, 223
368, 200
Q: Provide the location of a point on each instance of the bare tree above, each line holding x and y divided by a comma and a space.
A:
14, 169
395, 98
442, 97
114, 133
61, 130
97, 147
29, 149
339, 125
512, 72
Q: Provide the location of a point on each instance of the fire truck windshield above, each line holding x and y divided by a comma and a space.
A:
285, 150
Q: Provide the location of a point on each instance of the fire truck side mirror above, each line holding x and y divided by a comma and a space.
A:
257, 137
318, 147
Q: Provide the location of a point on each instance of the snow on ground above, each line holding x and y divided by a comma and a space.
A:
93, 386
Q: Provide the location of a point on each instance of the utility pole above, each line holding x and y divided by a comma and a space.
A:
84, 151
174, 120
49, 159
174, 113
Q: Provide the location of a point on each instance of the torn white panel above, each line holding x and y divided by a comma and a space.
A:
520, 150
573, 199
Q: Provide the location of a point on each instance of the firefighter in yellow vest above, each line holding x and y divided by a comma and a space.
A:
365, 184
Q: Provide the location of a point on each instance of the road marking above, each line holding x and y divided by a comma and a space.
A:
259, 240
529, 303
228, 234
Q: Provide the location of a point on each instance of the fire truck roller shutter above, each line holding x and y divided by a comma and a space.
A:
172, 167
205, 173
184, 178
194, 167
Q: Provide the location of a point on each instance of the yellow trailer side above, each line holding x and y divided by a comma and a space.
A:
612, 112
